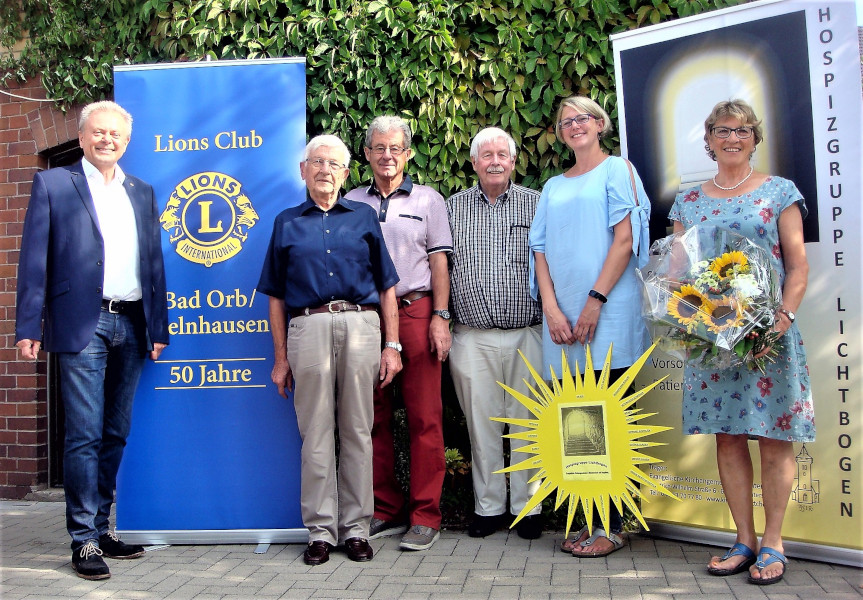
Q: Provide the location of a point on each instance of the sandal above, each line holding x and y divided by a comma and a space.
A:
773, 556
737, 549
573, 541
617, 543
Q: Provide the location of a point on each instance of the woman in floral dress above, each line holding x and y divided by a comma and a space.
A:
774, 407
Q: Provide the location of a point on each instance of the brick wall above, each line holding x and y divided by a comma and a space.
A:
27, 128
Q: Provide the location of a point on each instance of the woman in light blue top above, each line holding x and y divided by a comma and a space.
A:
589, 234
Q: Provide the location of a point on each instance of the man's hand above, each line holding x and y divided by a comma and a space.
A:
157, 350
282, 377
29, 348
440, 338
391, 364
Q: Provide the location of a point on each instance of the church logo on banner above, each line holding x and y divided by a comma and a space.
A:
208, 216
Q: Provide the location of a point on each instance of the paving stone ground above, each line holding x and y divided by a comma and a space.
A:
35, 564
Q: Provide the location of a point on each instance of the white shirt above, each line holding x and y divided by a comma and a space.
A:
122, 279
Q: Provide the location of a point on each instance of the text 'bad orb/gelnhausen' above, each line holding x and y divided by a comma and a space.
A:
215, 299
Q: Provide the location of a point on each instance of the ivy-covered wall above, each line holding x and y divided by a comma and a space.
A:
450, 68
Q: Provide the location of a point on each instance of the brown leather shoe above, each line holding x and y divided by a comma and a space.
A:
317, 553
358, 549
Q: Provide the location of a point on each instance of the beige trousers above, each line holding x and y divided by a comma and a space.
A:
335, 360
479, 358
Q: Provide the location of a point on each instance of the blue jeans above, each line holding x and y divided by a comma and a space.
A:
97, 386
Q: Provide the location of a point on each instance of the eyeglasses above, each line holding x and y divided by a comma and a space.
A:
743, 133
318, 163
394, 150
577, 119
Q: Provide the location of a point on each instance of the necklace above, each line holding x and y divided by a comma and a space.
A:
739, 183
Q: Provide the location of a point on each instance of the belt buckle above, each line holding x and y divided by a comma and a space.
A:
407, 302
111, 308
341, 306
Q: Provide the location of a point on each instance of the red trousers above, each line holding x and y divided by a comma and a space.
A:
420, 384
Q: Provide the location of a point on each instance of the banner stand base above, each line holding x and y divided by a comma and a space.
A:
725, 539
215, 536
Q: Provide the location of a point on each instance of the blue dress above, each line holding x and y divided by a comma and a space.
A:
574, 228
778, 403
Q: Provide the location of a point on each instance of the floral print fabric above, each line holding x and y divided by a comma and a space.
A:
775, 404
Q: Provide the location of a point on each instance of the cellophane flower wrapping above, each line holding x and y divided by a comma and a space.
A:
711, 296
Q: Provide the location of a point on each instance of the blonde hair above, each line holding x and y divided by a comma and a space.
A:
583, 105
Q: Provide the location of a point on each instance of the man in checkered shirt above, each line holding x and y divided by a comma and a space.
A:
494, 317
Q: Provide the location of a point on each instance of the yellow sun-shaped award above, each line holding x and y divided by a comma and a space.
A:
586, 440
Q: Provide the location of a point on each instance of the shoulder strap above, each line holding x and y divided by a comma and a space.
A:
632, 181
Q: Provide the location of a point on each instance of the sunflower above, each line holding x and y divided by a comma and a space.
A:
723, 314
725, 265
686, 304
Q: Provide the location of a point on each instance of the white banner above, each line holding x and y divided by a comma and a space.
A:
797, 63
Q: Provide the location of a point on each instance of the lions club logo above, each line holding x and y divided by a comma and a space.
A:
208, 217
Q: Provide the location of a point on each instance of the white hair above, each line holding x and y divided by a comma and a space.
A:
329, 141
487, 135
104, 106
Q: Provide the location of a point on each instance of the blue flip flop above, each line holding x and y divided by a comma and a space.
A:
737, 549
773, 556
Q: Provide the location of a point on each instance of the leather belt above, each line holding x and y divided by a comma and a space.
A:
336, 306
407, 299
120, 307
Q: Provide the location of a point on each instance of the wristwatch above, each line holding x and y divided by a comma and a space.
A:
394, 345
791, 316
598, 296
443, 314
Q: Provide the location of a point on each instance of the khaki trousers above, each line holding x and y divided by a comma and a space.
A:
479, 358
335, 360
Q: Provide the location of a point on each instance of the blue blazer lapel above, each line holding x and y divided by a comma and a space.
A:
80, 182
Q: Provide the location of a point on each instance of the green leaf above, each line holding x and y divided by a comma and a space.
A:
581, 68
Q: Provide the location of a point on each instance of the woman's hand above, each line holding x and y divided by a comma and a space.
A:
780, 326
558, 326
585, 327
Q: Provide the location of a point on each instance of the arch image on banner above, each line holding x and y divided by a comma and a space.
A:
797, 63
214, 453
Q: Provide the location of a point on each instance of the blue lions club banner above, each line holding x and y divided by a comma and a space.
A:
214, 453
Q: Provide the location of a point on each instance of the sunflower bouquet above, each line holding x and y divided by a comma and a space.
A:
711, 296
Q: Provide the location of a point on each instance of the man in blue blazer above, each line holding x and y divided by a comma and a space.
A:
91, 284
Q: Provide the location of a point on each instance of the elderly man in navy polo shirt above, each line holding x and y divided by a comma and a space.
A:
327, 267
